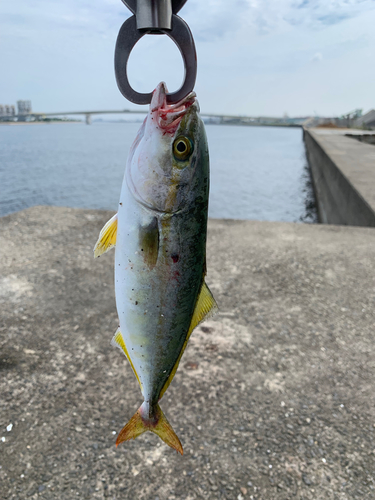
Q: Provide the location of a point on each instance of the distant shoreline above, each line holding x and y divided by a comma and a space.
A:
38, 123
283, 125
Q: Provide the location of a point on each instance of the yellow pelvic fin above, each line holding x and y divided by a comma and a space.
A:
205, 308
149, 242
118, 341
107, 237
153, 420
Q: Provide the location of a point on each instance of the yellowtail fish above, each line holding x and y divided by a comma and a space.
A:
160, 261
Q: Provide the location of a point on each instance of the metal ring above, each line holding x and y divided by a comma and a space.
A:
129, 36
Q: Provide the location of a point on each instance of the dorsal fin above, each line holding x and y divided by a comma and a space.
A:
205, 308
107, 237
119, 342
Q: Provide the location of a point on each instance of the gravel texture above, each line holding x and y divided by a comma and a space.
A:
274, 397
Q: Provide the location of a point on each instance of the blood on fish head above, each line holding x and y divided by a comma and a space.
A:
167, 117
163, 158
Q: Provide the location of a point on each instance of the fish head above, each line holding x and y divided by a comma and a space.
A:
163, 160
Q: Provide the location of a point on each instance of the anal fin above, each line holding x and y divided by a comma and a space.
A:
107, 237
205, 308
119, 342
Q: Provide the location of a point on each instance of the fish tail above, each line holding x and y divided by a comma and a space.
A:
150, 418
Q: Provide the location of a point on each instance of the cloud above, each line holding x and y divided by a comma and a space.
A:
209, 19
212, 19
317, 57
43, 16
254, 56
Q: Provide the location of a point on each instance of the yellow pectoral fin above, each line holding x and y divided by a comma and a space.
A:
149, 243
118, 341
107, 237
205, 308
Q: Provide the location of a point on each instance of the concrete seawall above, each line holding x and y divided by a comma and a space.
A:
343, 173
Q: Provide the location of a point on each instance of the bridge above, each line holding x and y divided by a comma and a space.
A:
86, 114
214, 118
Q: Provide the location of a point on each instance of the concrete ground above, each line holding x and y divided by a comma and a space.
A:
274, 398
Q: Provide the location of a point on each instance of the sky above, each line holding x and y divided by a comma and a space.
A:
255, 57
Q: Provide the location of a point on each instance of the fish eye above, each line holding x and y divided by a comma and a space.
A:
182, 148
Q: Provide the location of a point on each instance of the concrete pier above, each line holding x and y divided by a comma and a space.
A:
274, 398
343, 173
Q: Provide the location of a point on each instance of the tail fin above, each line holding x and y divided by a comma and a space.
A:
150, 418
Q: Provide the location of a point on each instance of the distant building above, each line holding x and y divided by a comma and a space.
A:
7, 111
24, 107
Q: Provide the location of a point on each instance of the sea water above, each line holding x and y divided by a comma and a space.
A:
256, 172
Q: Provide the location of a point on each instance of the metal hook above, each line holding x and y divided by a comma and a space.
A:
151, 22
154, 14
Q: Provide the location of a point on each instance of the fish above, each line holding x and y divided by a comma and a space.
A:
159, 233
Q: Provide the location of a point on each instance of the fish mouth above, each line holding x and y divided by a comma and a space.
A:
169, 116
